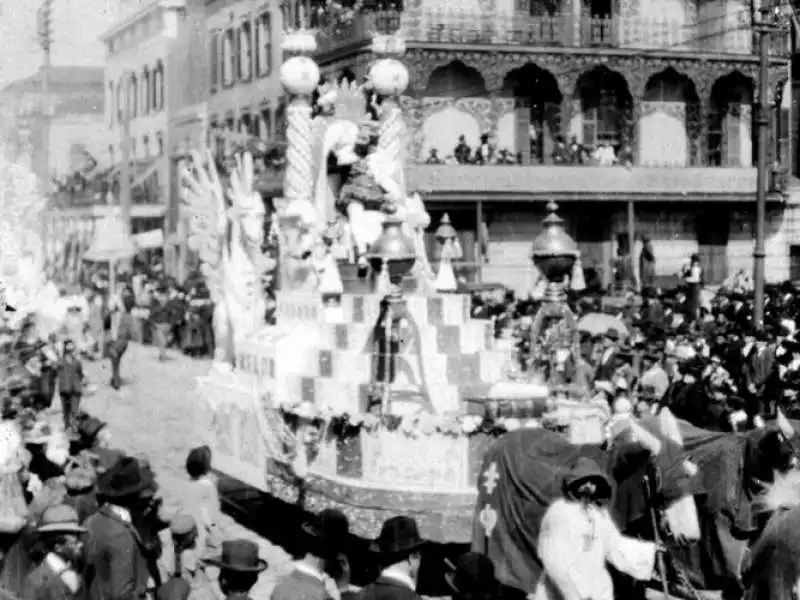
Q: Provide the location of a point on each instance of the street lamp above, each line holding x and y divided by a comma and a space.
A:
767, 20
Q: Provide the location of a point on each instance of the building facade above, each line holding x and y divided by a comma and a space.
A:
668, 87
140, 45
77, 126
244, 90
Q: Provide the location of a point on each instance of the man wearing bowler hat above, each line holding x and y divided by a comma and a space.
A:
239, 568
398, 548
57, 576
117, 566
325, 539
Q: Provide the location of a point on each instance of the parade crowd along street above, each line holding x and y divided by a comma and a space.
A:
81, 519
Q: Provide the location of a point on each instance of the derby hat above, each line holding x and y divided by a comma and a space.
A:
89, 428
60, 518
239, 555
399, 535
472, 575
330, 525
127, 477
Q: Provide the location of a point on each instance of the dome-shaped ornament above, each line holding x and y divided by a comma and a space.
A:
554, 251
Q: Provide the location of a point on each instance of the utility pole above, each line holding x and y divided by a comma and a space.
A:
767, 21
125, 199
44, 27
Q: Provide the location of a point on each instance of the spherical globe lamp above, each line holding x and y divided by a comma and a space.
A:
299, 76
389, 77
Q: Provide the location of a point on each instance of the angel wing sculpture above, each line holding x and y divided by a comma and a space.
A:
226, 229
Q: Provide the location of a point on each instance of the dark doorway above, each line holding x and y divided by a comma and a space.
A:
713, 232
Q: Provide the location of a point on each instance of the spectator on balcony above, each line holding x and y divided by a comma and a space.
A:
484, 153
505, 157
561, 154
576, 151
433, 158
625, 156
462, 151
604, 155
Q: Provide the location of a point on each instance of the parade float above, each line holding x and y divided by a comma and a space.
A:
375, 391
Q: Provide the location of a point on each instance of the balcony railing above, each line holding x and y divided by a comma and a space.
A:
730, 35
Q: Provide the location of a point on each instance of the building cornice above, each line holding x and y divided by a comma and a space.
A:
146, 9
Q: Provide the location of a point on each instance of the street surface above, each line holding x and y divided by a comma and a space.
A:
158, 414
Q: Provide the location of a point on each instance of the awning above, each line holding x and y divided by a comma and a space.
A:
112, 241
564, 183
149, 239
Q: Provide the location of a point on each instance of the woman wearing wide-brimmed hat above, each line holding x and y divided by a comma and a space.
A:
398, 549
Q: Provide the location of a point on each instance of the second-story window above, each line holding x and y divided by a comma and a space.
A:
263, 45
158, 100
144, 96
111, 104
133, 96
228, 57
111, 155
146, 146
245, 51
160, 144
214, 58
120, 100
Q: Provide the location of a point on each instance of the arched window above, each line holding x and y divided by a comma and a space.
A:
214, 60
245, 51
145, 92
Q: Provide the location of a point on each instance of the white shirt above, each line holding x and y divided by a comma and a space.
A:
123, 514
400, 577
67, 575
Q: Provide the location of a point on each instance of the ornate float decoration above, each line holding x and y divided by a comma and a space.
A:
374, 391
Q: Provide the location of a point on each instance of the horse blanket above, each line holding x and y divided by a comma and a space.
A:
522, 473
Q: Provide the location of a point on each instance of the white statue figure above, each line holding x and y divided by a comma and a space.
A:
226, 229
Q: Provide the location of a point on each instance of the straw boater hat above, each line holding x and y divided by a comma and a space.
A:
40, 433
61, 518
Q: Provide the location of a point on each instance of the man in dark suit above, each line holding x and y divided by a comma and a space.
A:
121, 335
398, 547
56, 577
607, 364
239, 568
70, 385
325, 539
116, 562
